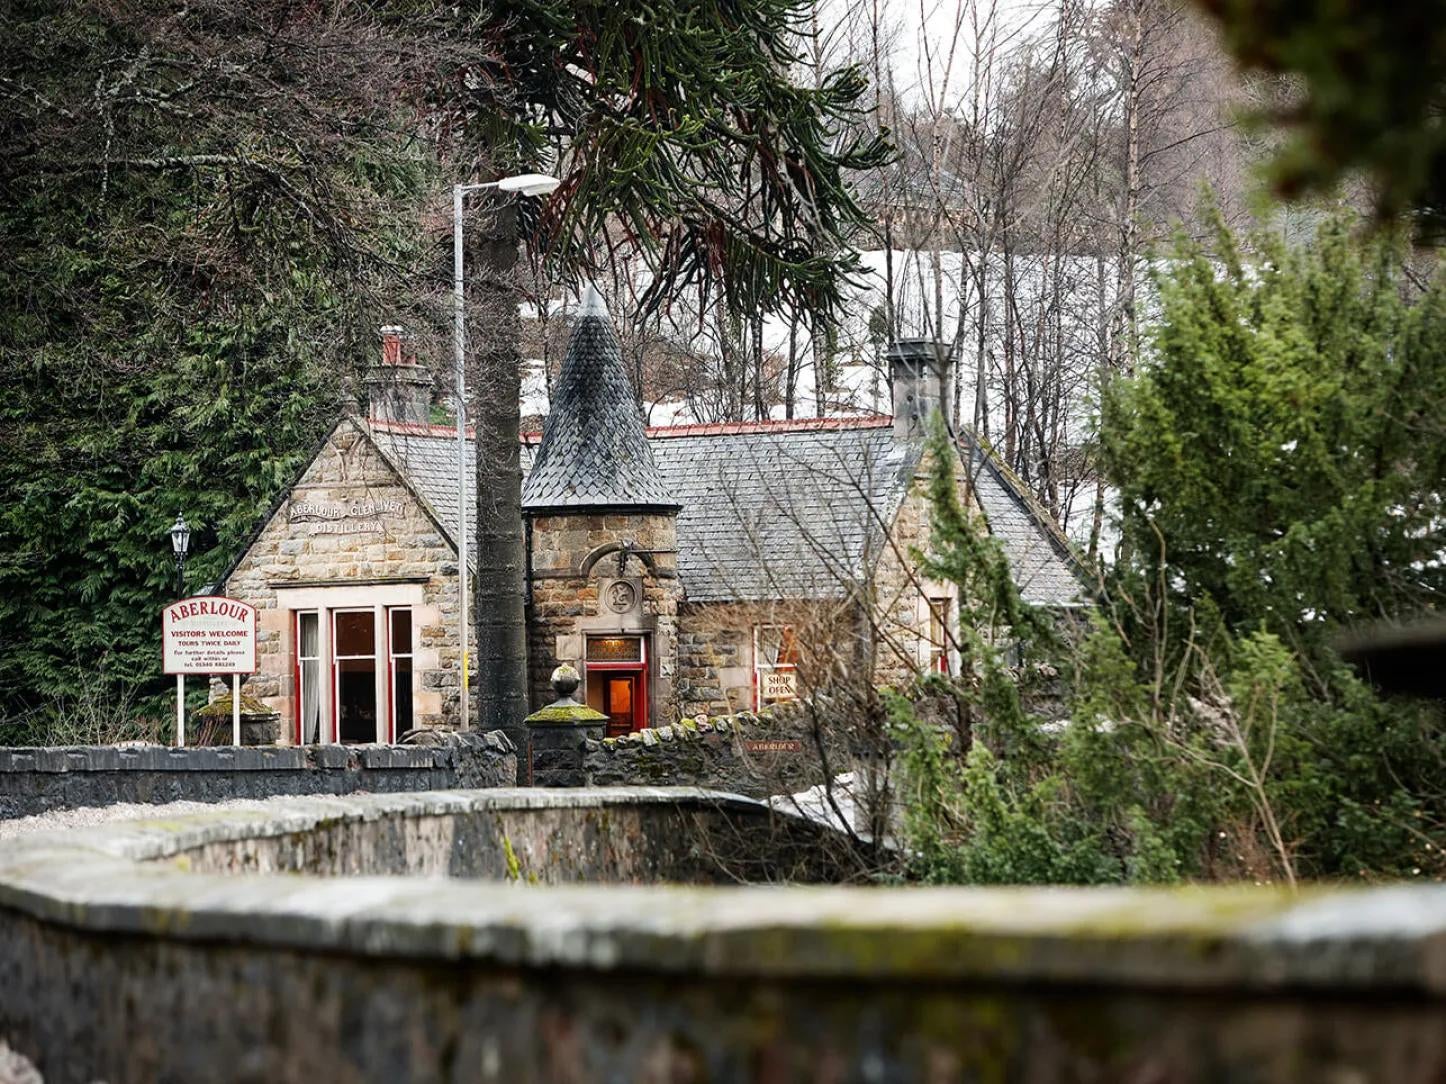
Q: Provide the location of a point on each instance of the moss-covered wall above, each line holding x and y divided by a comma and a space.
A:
775, 751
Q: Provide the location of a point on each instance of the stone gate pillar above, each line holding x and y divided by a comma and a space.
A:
558, 734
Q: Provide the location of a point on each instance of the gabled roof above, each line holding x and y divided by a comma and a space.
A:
777, 510
386, 450
594, 452
1045, 566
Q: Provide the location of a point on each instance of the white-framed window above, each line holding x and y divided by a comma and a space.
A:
400, 669
355, 658
309, 686
775, 664
940, 635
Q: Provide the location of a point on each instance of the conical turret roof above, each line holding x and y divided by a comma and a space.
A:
594, 452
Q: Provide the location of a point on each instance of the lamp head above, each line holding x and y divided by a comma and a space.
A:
180, 537
529, 184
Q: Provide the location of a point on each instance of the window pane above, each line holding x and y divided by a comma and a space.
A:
309, 626
615, 649
355, 633
940, 615
356, 699
401, 631
776, 646
402, 695
787, 648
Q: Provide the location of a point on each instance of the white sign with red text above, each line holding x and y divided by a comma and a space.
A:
209, 635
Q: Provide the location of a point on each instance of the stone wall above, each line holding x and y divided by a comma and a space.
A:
717, 650
613, 835
118, 964
900, 591
396, 555
36, 781
715, 658
565, 603
758, 754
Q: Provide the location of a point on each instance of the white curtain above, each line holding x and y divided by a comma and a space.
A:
308, 653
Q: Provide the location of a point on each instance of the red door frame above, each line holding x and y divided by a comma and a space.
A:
335, 686
640, 702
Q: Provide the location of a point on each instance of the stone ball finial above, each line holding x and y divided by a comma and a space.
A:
565, 680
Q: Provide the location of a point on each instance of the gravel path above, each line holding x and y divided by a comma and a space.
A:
122, 811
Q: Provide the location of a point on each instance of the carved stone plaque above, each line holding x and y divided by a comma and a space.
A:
620, 596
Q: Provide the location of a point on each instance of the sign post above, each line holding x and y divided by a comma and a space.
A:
209, 635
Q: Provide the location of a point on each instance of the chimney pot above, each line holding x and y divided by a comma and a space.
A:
391, 345
401, 390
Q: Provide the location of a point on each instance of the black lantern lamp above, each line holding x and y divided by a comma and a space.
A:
180, 544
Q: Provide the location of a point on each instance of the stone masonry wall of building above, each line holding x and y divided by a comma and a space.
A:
716, 649
391, 540
566, 606
899, 610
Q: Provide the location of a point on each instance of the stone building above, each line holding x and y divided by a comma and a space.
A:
685, 569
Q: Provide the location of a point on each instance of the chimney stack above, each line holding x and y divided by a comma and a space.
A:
919, 371
400, 390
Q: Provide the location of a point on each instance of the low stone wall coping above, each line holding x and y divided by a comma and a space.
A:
124, 878
208, 758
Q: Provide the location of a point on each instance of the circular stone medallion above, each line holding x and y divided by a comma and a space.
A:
620, 596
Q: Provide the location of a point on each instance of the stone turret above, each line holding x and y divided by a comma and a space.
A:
603, 525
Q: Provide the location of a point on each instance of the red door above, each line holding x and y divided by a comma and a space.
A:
617, 681
620, 702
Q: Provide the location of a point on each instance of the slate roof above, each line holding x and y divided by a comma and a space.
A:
781, 514
594, 452
783, 510
427, 455
1046, 570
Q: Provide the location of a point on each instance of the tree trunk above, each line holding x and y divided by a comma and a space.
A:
501, 697
790, 387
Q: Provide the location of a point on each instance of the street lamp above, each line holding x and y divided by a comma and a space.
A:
525, 184
180, 545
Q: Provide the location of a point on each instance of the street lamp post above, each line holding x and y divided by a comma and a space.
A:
526, 184
180, 545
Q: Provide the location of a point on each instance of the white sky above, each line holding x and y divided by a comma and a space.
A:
927, 43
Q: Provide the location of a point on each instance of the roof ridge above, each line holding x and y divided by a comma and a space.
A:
772, 425
1042, 516
418, 429
683, 429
